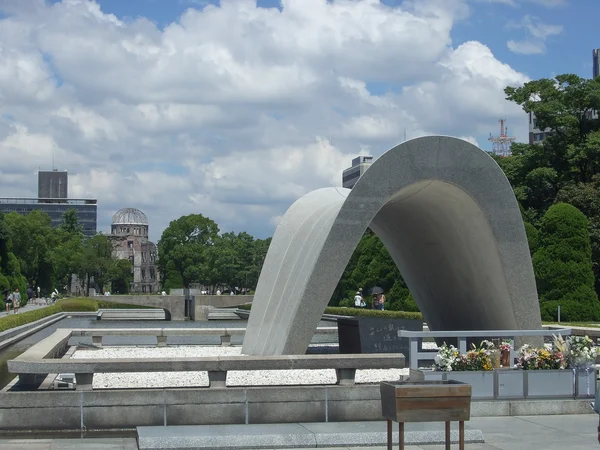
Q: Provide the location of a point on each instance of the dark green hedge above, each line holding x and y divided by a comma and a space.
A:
66, 305
15, 320
361, 312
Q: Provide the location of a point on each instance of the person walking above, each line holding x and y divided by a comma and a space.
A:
8, 301
16, 300
358, 300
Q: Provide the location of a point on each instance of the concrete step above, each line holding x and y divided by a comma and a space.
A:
131, 314
294, 435
222, 314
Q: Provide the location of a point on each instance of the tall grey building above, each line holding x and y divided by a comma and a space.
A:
351, 175
596, 59
52, 184
53, 200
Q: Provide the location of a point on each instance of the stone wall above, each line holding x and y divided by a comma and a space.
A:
126, 409
172, 303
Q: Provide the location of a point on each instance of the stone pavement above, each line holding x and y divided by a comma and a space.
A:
572, 432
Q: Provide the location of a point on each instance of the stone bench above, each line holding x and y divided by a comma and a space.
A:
131, 314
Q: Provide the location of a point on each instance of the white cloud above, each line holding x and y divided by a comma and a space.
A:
537, 34
232, 111
516, 3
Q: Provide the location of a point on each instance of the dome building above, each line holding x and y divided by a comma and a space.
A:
129, 234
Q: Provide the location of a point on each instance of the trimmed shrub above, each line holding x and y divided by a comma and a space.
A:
563, 266
15, 320
360, 312
77, 305
66, 305
103, 304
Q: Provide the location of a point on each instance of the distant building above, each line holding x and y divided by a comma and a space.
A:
52, 184
129, 234
351, 175
52, 199
537, 135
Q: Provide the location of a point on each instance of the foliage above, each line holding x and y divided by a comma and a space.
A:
119, 276
563, 265
173, 277
371, 265
15, 320
65, 305
70, 223
355, 312
97, 261
565, 168
192, 251
103, 304
77, 304
185, 242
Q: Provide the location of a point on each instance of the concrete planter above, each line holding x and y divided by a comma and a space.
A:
549, 383
511, 384
585, 382
375, 335
482, 383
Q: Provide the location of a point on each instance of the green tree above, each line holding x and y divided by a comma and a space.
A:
371, 265
97, 259
186, 242
70, 222
173, 278
119, 276
563, 266
32, 239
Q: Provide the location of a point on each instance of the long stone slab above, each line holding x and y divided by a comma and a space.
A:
131, 314
298, 435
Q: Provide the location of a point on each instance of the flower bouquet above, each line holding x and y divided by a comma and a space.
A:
449, 358
582, 351
505, 348
540, 358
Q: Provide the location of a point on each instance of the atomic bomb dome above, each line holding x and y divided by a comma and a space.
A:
129, 216
129, 222
129, 234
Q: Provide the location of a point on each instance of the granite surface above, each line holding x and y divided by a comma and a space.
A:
293, 435
449, 218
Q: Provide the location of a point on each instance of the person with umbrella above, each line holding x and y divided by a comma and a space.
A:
378, 297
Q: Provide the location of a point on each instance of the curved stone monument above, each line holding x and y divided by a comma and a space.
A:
448, 216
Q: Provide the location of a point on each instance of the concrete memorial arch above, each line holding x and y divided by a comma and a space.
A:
448, 216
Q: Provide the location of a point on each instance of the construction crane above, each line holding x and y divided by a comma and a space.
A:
501, 144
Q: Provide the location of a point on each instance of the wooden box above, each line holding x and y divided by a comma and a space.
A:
426, 401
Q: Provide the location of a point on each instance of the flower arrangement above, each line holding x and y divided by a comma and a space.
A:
582, 351
506, 346
575, 351
540, 358
449, 358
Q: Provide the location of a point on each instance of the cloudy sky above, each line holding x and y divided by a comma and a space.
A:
234, 109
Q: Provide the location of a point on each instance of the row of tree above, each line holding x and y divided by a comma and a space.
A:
33, 253
192, 251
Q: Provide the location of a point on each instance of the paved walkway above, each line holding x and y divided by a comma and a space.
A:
574, 432
27, 307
